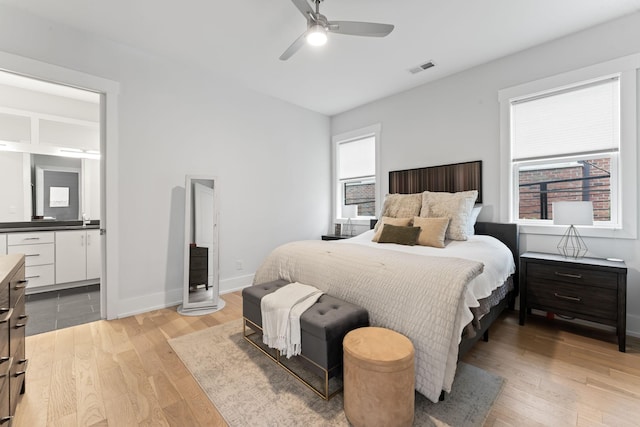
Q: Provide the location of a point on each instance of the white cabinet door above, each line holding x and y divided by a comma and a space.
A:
94, 259
3, 244
71, 258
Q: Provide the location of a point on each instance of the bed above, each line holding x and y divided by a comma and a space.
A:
443, 299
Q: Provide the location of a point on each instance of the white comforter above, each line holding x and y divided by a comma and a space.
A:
424, 297
496, 257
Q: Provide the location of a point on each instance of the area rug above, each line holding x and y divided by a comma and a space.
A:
249, 389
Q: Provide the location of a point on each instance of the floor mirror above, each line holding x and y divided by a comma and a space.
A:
201, 266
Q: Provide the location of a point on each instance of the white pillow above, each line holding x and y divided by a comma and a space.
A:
473, 217
400, 206
455, 206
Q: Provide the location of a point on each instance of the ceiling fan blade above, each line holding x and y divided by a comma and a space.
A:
304, 8
352, 28
295, 46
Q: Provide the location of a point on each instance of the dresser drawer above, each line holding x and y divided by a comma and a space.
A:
198, 263
4, 336
5, 408
4, 296
572, 299
571, 274
17, 348
17, 294
18, 373
30, 238
39, 254
40, 275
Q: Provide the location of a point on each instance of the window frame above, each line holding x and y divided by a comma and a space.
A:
626, 179
369, 131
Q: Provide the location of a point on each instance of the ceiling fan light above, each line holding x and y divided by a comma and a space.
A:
317, 35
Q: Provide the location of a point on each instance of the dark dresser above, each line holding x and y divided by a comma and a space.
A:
13, 321
198, 266
591, 289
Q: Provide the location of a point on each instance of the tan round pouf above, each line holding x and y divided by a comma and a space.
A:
379, 378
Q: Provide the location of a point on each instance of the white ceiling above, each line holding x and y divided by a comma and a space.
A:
242, 39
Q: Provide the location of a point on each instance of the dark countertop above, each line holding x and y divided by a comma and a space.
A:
46, 225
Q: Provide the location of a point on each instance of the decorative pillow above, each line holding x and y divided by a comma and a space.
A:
455, 206
404, 222
401, 206
400, 235
432, 231
473, 217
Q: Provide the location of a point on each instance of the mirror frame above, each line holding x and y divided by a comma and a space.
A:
216, 303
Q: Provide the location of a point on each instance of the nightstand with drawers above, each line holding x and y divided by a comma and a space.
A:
590, 289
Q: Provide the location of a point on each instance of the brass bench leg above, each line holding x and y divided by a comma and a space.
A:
323, 394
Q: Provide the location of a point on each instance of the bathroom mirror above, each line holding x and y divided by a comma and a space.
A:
200, 286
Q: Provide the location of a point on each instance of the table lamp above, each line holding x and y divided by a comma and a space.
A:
349, 211
572, 213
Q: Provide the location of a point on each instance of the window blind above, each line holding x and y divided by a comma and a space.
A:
583, 119
357, 158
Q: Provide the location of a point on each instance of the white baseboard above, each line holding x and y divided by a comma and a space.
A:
235, 283
142, 304
173, 297
633, 325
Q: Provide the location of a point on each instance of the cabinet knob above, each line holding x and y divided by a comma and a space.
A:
5, 419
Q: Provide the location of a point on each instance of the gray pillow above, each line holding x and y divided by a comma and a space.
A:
400, 235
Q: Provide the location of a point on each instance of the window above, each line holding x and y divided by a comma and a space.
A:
572, 136
355, 171
564, 146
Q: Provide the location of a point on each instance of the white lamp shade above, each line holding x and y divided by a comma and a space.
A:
573, 213
349, 211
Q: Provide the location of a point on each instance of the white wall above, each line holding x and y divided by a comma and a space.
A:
12, 193
456, 119
271, 159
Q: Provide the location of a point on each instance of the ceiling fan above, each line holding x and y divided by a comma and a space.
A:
318, 26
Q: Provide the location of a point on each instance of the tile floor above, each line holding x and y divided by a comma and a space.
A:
53, 310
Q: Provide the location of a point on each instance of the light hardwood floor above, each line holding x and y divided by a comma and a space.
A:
124, 373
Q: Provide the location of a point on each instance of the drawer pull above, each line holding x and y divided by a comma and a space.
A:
573, 276
32, 255
31, 238
21, 285
22, 325
6, 314
557, 295
9, 365
5, 419
33, 277
24, 362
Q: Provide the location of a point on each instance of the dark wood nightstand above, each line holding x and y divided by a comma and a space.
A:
333, 237
585, 288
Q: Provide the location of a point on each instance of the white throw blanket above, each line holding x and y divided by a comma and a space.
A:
281, 311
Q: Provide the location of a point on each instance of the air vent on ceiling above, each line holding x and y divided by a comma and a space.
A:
422, 67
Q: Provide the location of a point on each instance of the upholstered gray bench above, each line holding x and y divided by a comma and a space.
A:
322, 329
